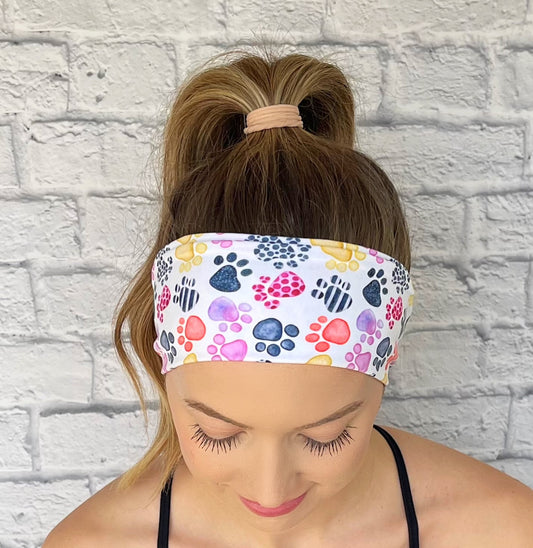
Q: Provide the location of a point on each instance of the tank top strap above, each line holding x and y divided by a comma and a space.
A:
410, 513
164, 514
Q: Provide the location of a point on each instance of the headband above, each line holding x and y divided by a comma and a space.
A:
261, 298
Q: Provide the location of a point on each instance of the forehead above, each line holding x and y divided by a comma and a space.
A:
246, 389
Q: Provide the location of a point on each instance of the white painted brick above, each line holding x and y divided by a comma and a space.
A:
475, 426
503, 223
435, 223
39, 228
121, 76
364, 73
34, 77
502, 291
164, 16
247, 19
387, 16
445, 76
92, 440
8, 176
46, 371
117, 227
415, 156
14, 447
515, 77
35, 507
89, 155
16, 305
509, 356
437, 359
75, 301
499, 293
111, 381
522, 413
520, 469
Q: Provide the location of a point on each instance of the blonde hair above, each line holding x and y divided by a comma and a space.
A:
309, 183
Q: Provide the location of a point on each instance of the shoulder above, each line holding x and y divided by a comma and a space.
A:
111, 518
462, 498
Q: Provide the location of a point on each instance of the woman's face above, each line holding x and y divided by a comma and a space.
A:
272, 457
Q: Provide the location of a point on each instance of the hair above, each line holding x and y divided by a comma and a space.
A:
308, 183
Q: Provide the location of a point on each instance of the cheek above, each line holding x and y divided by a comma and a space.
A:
338, 470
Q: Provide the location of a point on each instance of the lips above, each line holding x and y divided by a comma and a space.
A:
285, 508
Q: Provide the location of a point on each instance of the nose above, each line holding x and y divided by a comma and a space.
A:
272, 477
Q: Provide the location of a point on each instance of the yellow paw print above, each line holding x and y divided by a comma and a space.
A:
342, 253
187, 252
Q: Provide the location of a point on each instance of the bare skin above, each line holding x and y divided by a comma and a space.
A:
352, 494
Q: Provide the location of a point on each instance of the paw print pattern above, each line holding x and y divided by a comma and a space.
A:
273, 248
366, 322
224, 244
336, 296
286, 285
226, 279
194, 330
383, 351
373, 291
162, 302
400, 277
189, 252
337, 331
184, 294
358, 360
345, 255
166, 343
163, 265
376, 256
394, 311
225, 310
404, 321
232, 351
271, 329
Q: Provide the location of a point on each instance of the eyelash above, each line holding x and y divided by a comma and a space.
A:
315, 446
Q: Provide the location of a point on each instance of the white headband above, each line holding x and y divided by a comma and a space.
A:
260, 298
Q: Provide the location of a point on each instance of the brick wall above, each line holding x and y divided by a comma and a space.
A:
445, 105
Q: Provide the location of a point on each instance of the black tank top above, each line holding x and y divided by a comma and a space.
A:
412, 522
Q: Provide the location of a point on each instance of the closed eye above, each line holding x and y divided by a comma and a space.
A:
316, 447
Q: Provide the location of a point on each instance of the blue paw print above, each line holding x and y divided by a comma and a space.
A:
271, 329
372, 292
225, 279
185, 295
280, 247
166, 341
336, 297
383, 351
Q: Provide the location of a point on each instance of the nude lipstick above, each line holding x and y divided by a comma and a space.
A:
285, 508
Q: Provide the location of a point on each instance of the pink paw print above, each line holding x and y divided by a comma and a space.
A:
232, 351
374, 253
357, 359
162, 302
287, 284
394, 311
337, 331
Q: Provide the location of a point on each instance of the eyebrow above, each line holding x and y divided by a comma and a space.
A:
334, 416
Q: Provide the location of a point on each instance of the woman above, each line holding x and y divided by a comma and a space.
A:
268, 316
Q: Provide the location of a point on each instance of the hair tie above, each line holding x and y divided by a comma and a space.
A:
281, 115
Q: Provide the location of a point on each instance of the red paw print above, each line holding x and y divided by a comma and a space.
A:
162, 302
394, 311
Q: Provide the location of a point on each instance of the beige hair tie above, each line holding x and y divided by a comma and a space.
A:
281, 115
